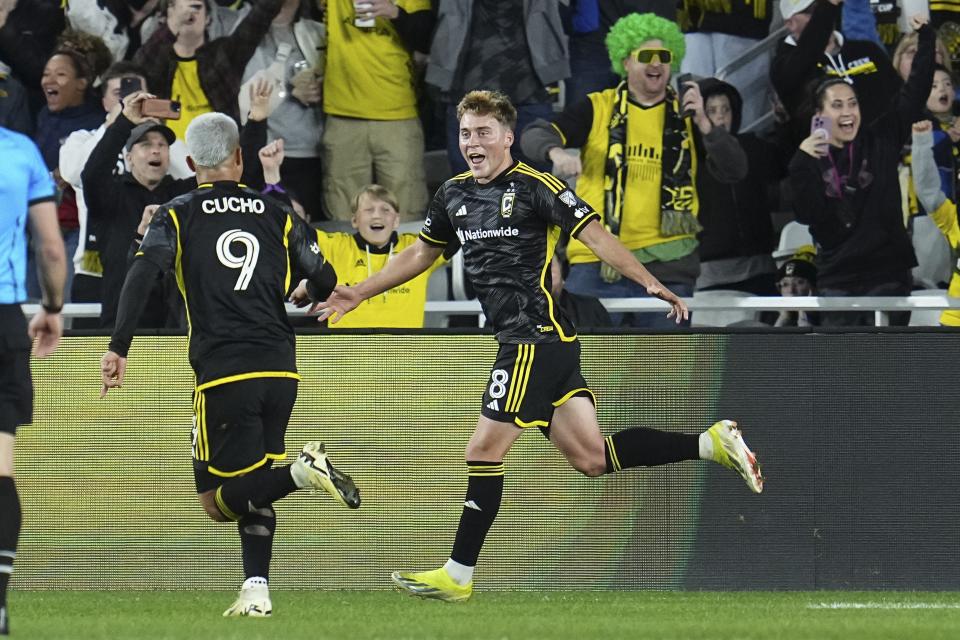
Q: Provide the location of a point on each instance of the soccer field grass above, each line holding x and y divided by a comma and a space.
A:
489, 615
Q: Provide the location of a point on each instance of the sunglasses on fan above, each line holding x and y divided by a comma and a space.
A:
645, 56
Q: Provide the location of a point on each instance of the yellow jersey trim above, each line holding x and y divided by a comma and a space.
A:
287, 227
542, 177
570, 394
179, 273
462, 176
255, 465
583, 223
205, 185
553, 237
431, 240
248, 376
528, 425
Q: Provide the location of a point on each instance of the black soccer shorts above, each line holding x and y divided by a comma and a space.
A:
238, 427
529, 381
16, 385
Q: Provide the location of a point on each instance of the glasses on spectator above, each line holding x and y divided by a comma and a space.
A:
645, 56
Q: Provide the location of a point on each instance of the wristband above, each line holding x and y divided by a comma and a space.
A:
52, 309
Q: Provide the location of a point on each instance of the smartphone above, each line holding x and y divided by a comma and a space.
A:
682, 89
130, 85
821, 122
163, 109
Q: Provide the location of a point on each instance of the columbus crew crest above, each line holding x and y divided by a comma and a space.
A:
506, 204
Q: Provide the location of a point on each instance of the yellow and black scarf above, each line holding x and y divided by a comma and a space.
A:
676, 183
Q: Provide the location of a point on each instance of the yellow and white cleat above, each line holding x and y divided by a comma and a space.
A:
731, 451
436, 584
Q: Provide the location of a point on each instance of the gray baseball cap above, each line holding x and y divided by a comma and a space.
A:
142, 129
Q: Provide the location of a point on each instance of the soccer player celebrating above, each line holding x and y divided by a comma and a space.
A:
234, 250
508, 218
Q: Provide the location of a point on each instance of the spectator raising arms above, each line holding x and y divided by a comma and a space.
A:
203, 75
844, 184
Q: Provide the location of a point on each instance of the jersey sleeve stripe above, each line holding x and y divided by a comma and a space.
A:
583, 223
429, 240
538, 176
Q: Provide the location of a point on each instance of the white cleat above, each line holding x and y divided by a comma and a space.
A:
253, 601
731, 451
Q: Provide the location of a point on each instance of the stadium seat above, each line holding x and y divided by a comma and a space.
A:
721, 318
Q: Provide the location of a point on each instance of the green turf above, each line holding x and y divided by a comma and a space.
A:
490, 616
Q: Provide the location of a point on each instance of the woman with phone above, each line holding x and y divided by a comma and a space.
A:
845, 186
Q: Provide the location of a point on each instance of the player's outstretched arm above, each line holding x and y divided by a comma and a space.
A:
408, 264
606, 247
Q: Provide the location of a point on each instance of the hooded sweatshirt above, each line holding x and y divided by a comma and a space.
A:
737, 235
851, 200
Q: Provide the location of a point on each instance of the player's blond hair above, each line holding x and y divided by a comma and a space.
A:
489, 103
377, 192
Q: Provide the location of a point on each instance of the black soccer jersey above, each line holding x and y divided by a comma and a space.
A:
508, 229
233, 249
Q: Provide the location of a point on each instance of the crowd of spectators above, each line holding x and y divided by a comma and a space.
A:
695, 173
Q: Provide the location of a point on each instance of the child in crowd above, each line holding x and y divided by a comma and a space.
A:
357, 256
945, 137
942, 208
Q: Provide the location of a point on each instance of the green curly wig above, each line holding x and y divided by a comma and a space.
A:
632, 30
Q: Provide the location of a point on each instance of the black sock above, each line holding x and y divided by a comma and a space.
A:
256, 530
484, 491
238, 496
10, 517
641, 447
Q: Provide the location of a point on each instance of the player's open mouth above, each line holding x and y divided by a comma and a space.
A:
476, 158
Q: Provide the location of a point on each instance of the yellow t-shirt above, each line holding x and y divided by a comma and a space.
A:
945, 218
640, 218
187, 91
369, 72
398, 308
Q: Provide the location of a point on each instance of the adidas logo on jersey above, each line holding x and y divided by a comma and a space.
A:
494, 405
462, 211
360, 263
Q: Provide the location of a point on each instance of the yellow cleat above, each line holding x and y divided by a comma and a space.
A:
731, 451
435, 584
314, 465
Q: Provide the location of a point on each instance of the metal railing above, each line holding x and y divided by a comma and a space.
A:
880, 306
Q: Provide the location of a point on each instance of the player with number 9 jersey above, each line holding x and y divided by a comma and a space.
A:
235, 252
